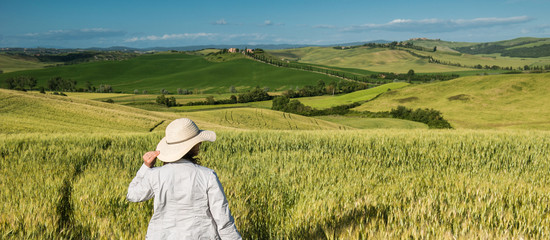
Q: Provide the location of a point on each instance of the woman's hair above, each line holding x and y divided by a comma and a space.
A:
192, 155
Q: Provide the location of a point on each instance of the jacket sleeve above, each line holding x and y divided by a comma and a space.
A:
219, 208
140, 189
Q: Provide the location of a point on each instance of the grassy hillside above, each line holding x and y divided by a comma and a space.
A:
130, 98
176, 70
254, 118
518, 101
501, 47
511, 53
322, 102
374, 123
485, 59
519, 47
373, 59
12, 64
33, 112
448, 46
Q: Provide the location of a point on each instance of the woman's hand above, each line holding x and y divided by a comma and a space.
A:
149, 158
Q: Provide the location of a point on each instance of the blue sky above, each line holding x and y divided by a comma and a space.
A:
70, 24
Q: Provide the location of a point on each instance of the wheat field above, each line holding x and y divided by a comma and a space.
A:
292, 184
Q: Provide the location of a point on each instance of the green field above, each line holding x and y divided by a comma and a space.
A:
373, 59
67, 161
35, 112
518, 101
400, 61
441, 45
126, 98
373, 123
12, 64
45, 113
485, 59
322, 102
291, 184
170, 71
254, 118
523, 42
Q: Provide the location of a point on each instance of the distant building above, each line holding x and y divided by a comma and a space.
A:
232, 50
249, 50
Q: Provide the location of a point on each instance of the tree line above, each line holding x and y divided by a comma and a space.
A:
306, 67
430, 117
375, 78
322, 88
285, 104
254, 95
24, 83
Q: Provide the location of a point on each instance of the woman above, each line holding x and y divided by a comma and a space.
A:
189, 199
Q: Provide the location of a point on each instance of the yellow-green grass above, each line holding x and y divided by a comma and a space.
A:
261, 104
45, 113
124, 98
373, 59
446, 46
102, 96
522, 42
519, 101
255, 118
225, 57
381, 184
373, 123
207, 51
322, 102
34, 112
535, 44
485, 59
12, 64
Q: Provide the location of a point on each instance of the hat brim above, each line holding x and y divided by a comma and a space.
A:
173, 152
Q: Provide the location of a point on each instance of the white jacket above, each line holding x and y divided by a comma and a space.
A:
189, 202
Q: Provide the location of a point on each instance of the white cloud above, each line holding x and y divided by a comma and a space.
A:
220, 22
78, 34
271, 23
324, 26
246, 36
438, 25
171, 37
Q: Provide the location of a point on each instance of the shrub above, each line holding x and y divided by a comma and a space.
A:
255, 95
169, 102
430, 117
60, 84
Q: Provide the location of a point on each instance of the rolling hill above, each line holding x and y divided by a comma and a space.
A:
33, 112
23, 112
12, 64
327, 101
171, 71
515, 53
373, 59
518, 101
255, 118
525, 47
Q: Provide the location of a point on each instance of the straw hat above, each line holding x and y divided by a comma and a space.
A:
181, 135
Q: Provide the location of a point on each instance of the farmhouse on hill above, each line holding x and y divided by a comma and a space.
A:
235, 50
